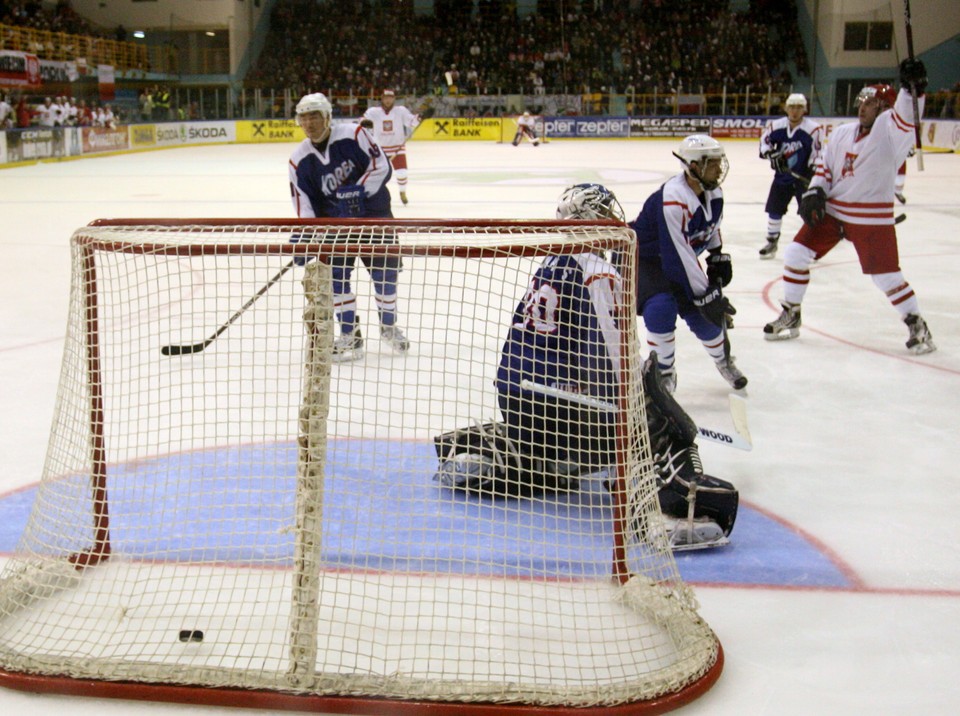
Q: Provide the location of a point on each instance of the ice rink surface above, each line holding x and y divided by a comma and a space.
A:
854, 438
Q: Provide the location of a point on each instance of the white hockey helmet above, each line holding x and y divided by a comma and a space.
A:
796, 100
316, 102
589, 202
698, 149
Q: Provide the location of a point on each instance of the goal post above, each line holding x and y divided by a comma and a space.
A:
254, 524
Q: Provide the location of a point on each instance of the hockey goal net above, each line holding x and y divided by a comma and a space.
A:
249, 523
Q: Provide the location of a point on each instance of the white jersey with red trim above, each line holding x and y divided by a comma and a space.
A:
857, 172
391, 129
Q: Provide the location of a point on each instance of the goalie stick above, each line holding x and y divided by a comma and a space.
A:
740, 441
174, 350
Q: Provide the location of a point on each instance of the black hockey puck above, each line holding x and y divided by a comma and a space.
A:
187, 635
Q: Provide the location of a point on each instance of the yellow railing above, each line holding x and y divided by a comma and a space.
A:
64, 47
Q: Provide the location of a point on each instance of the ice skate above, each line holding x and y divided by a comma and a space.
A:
348, 347
900, 197
921, 340
403, 198
394, 337
728, 369
690, 534
669, 377
786, 326
770, 250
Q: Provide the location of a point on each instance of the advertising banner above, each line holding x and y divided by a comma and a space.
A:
268, 130
24, 145
459, 128
19, 69
587, 127
738, 127
142, 135
668, 126
101, 139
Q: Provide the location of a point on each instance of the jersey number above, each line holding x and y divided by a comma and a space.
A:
540, 309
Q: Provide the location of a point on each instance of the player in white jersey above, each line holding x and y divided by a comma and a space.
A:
392, 126
851, 197
526, 127
792, 145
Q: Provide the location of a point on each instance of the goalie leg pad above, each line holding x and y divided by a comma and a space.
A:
663, 407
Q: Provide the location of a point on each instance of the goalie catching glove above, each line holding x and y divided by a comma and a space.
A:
484, 460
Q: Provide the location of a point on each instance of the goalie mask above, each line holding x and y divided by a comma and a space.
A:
589, 202
703, 159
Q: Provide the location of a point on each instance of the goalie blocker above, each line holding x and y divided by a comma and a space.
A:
699, 509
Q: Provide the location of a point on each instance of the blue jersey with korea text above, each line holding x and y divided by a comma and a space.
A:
801, 145
349, 156
676, 226
564, 332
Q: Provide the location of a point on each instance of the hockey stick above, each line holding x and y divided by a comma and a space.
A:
913, 92
197, 347
739, 441
806, 183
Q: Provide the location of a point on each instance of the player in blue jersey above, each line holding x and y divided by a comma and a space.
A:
564, 339
562, 350
678, 223
792, 144
559, 369
339, 172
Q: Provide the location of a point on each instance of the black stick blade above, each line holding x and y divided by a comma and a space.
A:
184, 350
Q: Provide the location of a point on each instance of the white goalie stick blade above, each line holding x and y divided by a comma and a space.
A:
718, 436
739, 441
738, 411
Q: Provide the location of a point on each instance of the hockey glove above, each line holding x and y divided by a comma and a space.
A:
778, 162
351, 201
715, 307
913, 75
813, 206
719, 268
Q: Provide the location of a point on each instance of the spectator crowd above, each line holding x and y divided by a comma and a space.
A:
32, 13
361, 46
17, 113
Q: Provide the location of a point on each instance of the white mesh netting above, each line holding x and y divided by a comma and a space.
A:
286, 505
